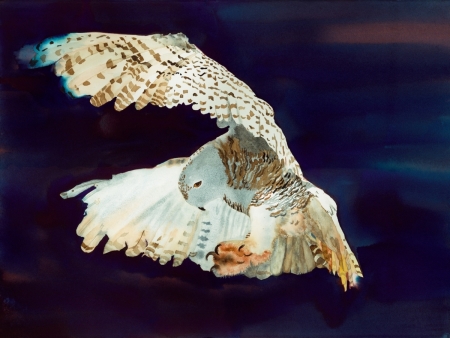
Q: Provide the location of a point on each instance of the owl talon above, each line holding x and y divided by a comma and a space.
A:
211, 253
216, 249
247, 255
215, 252
234, 258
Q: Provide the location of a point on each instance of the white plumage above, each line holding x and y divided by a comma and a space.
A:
261, 216
144, 211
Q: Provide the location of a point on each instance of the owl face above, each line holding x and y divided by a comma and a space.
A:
203, 179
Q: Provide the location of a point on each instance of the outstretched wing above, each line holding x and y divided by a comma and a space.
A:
164, 70
144, 211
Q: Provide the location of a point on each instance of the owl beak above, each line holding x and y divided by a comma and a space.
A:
202, 209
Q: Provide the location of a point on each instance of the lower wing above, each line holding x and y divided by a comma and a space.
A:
144, 211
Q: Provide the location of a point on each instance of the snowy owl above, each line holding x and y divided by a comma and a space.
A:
238, 205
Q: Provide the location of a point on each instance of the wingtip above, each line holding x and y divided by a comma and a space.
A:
26, 57
85, 248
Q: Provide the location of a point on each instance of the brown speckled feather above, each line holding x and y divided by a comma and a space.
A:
163, 70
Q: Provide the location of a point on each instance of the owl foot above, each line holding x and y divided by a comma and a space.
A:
234, 257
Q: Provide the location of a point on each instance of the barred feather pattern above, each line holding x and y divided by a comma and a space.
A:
166, 70
263, 172
288, 192
246, 169
163, 70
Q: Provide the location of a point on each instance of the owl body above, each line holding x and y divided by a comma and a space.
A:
252, 165
283, 209
239, 205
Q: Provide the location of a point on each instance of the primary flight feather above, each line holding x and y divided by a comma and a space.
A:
239, 205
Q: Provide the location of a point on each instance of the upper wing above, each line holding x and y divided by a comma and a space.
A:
164, 70
144, 211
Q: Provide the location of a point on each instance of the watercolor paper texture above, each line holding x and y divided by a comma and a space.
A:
211, 189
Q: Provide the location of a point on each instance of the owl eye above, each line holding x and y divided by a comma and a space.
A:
197, 184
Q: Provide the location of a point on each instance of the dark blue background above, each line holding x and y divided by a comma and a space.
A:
362, 92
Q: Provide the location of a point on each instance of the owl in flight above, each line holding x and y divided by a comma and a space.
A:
238, 205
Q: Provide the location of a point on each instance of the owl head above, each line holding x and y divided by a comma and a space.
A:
203, 179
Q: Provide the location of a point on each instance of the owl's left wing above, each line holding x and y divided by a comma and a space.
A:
143, 211
164, 70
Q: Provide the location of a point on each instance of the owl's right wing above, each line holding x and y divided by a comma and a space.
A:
143, 211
